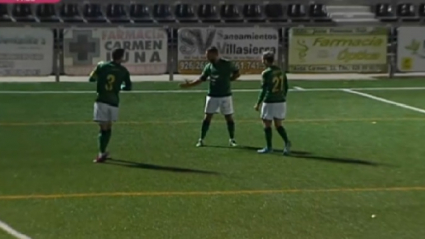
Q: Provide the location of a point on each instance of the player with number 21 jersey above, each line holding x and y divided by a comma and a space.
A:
272, 100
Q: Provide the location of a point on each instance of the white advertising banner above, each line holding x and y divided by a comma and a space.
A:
26, 51
411, 49
243, 46
146, 49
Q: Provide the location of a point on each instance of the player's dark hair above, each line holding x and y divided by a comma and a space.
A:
268, 56
117, 54
269, 59
213, 50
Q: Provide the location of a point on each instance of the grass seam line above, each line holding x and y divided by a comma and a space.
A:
207, 193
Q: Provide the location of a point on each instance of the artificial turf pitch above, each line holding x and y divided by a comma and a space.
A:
354, 157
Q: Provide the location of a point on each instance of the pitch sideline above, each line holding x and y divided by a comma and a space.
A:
383, 100
9, 230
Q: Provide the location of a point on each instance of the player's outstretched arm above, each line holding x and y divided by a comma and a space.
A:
204, 76
188, 84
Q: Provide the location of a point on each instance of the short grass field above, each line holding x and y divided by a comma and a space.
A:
357, 170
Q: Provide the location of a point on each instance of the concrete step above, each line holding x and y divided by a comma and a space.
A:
332, 9
355, 20
352, 15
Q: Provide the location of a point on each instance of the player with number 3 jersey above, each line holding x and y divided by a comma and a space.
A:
272, 100
111, 77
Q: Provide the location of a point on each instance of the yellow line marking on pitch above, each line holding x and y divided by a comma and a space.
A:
208, 193
172, 122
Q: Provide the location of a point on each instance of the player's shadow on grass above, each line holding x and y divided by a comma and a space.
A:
308, 155
131, 164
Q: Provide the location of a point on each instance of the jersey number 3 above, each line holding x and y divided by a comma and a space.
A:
277, 84
110, 82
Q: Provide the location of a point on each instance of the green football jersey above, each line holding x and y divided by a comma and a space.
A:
110, 77
274, 85
220, 75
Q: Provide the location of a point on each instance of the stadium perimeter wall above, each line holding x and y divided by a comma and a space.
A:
311, 53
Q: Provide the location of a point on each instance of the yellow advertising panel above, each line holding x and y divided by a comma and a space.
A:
336, 50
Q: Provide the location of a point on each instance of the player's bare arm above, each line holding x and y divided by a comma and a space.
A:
93, 75
261, 95
204, 76
188, 84
235, 73
286, 85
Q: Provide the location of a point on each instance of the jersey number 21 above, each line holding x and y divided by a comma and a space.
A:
278, 83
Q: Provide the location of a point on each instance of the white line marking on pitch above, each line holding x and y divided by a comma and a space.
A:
9, 230
404, 106
204, 91
298, 88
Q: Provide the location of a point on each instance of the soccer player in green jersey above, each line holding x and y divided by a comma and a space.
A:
111, 77
272, 100
220, 73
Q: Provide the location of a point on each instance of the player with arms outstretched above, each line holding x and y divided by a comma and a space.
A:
220, 73
272, 100
111, 78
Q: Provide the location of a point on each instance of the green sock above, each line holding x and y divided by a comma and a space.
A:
268, 133
231, 129
204, 129
104, 137
283, 133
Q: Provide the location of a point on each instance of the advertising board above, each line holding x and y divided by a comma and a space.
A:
337, 49
26, 51
411, 49
146, 49
243, 46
